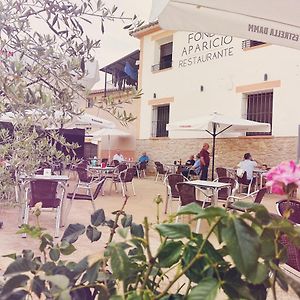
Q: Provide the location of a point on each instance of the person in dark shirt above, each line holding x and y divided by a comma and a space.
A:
190, 162
204, 159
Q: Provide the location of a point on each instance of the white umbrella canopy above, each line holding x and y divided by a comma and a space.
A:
271, 21
219, 123
109, 132
215, 124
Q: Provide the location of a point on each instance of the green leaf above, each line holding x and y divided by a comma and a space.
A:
174, 231
38, 286
259, 274
206, 290
126, 221
92, 272
12, 256
170, 253
14, 283
243, 245
67, 250
61, 281
20, 265
17, 295
98, 217
93, 233
211, 212
123, 232
190, 209
73, 232
119, 262
137, 230
54, 254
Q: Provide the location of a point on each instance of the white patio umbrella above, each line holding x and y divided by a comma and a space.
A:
215, 124
109, 132
271, 21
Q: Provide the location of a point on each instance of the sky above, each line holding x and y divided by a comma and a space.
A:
116, 42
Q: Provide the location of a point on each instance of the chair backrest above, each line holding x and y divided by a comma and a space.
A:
187, 193
115, 163
127, 175
293, 252
224, 193
221, 172
259, 196
172, 180
143, 165
82, 173
44, 191
283, 205
159, 168
121, 167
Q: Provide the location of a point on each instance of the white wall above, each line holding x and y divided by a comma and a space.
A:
220, 78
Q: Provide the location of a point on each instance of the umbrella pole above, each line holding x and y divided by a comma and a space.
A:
214, 134
109, 148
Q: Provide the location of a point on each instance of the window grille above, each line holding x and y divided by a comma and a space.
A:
160, 119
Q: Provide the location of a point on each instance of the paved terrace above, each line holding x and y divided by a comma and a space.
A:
139, 206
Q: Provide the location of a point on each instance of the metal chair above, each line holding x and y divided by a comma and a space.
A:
224, 193
259, 195
244, 181
187, 195
161, 171
86, 197
45, 192
141, 169
172, 191
221, 172
125, 177
294, 205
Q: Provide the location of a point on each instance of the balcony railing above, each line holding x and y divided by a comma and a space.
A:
162, 65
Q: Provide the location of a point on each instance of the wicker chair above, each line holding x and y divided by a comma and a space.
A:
187, 195
294, 205
45, 192
221, 172
224, 193
126, 176
259, 195
161, 171
172, 191
243, 181
86, 197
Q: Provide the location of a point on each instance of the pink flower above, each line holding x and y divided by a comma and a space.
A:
284, 178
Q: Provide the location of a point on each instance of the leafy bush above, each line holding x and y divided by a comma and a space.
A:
245, 262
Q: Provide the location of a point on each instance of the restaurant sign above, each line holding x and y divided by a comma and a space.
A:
204, 47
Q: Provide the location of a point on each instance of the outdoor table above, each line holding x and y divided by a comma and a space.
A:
102, 170
24, 179
172, 167
214, 186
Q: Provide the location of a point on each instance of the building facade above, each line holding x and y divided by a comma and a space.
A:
183, 75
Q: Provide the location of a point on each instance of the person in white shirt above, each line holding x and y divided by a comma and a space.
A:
119, 156
248, 165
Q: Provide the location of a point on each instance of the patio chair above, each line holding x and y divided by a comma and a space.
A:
259, 195
283, 205
187, 195
221, 172
114, 163
244, 182
141, 169
86, 197
126, 176
224, 193
172, 191
46, 193
161, 171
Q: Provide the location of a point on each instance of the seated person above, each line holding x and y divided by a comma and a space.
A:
190, 162
119, 156
144, 158
247, 165
194, 169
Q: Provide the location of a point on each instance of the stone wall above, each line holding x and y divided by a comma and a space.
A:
229, 151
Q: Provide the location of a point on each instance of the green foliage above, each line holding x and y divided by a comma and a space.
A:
245, 262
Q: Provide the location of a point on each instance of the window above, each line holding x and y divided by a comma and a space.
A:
260, 109
251, 43
164, 56
160, 120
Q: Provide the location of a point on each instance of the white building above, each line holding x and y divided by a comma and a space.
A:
183, 75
